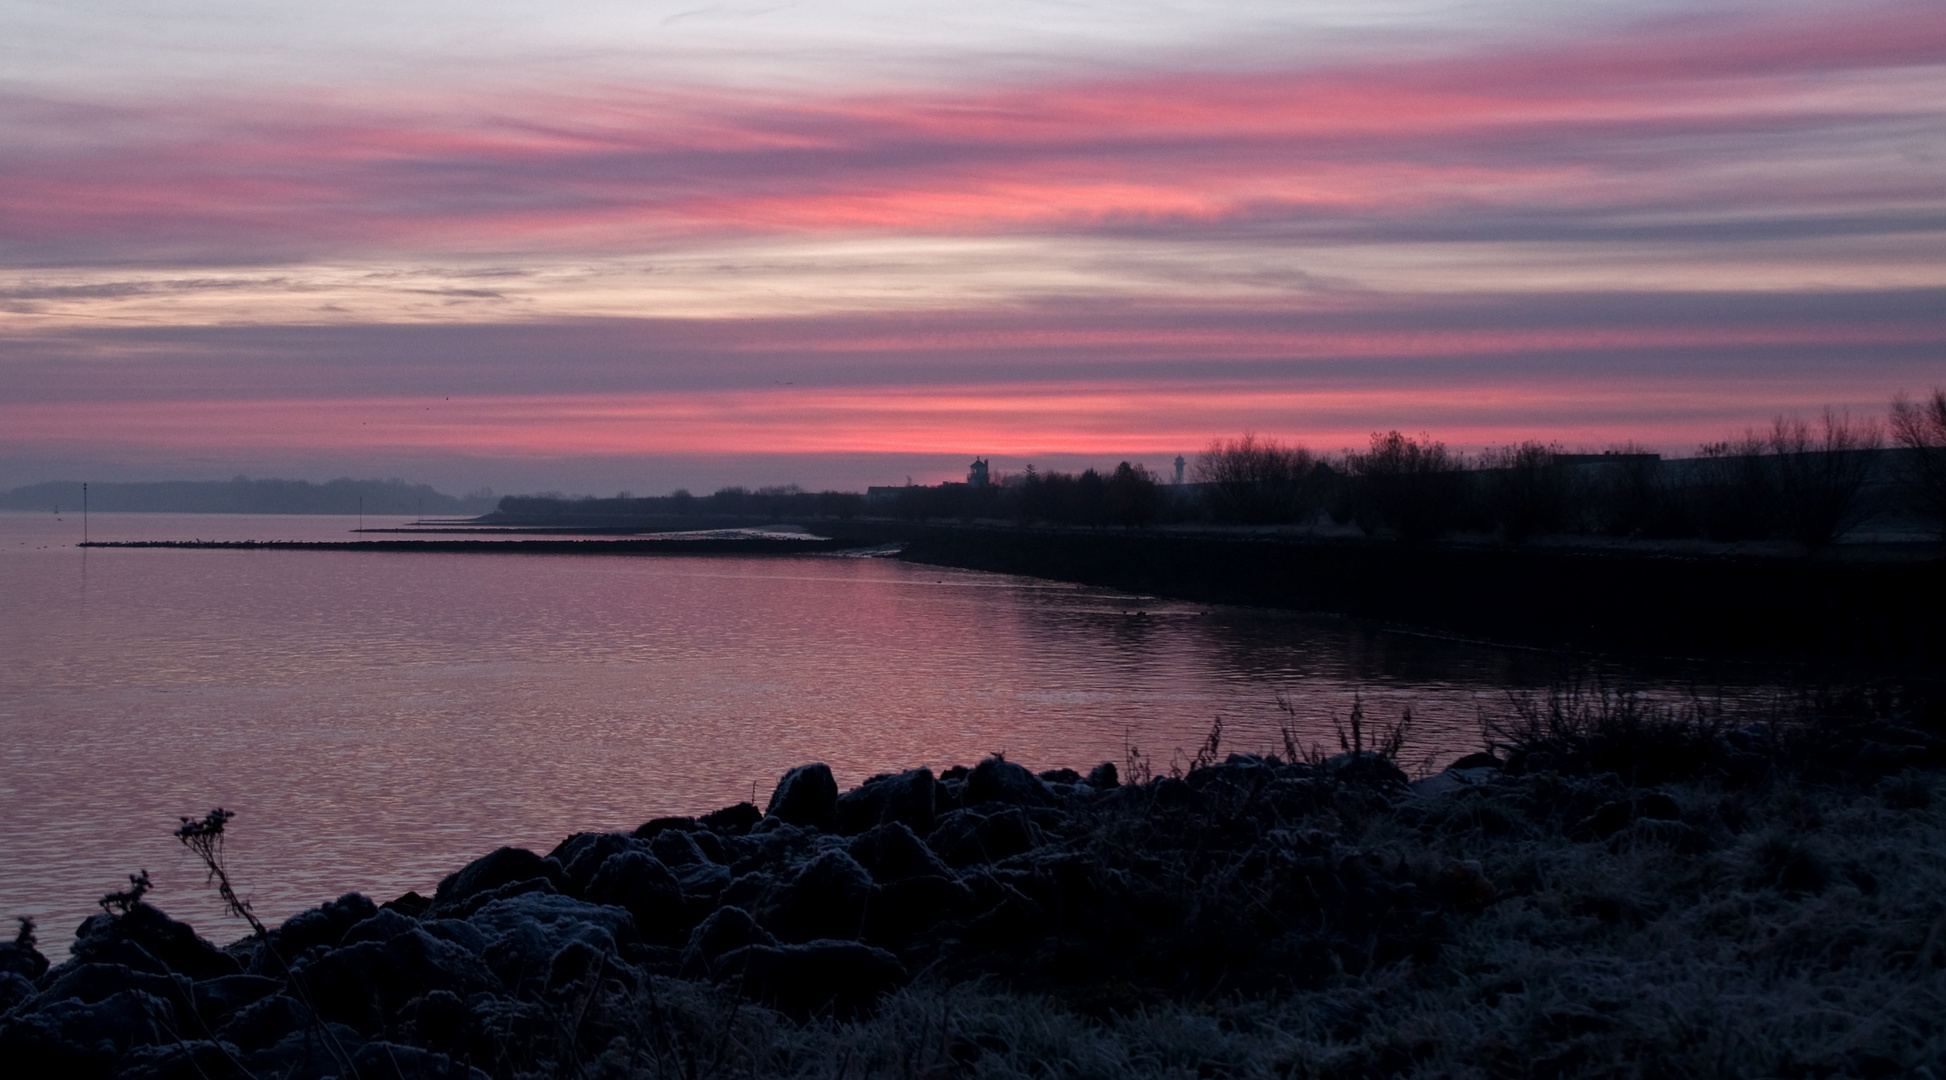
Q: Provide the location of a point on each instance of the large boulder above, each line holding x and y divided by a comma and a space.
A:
310, 1050
909, 797
384, 926
677, 848
14, 989
638, 882
78, 1040
187, 1059
911, 906
893, 852
265, 1022
492, 873
827, 899
1367, 768
217, 1000
999, 780
582, 854
970, 837
733, 820
324, 925
364, 985
525, 933
90, 983
726, 930
843, 978
173, 943
807, 796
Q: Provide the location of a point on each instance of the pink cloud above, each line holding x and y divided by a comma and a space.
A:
1667, 114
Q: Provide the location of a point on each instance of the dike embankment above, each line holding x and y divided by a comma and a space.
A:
1883, 612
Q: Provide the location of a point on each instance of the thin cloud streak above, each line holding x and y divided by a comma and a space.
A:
1670, 119
1878, 340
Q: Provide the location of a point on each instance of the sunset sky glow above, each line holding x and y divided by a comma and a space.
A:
646, 245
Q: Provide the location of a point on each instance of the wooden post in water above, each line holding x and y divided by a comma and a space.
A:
361, 513
84, 513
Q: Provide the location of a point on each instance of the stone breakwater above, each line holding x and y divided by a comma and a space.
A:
1109, 894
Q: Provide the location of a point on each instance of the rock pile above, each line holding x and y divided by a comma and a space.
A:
1242, 875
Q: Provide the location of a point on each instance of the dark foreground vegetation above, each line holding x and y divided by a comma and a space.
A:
1608, 889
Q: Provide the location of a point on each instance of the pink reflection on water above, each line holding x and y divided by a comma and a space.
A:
377, 719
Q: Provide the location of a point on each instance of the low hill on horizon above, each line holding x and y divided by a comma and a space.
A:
242, 495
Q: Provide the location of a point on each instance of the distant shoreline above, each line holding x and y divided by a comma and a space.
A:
694, 546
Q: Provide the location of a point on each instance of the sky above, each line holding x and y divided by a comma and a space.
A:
608, 246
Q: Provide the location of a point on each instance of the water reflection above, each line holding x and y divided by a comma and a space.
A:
376, 718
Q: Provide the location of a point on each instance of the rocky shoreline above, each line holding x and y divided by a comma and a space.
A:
1252, 883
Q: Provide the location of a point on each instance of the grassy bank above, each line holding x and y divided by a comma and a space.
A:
1608, 890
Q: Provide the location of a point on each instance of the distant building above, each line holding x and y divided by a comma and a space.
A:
1179, 464
977, 475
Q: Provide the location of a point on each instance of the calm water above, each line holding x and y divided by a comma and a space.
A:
376, 718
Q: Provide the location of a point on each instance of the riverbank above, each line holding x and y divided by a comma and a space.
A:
1609, 890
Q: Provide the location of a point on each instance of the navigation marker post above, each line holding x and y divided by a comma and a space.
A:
84, 513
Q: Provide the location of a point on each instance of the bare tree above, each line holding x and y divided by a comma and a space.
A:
1820, 473
1256, 481
1526, 488
1412, 486
1920, 429
1735, 494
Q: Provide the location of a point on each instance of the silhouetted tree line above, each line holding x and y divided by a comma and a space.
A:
1807, 481
1811, 481
781, 501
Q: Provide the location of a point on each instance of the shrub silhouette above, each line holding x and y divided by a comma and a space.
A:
124, 901
1130, 496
